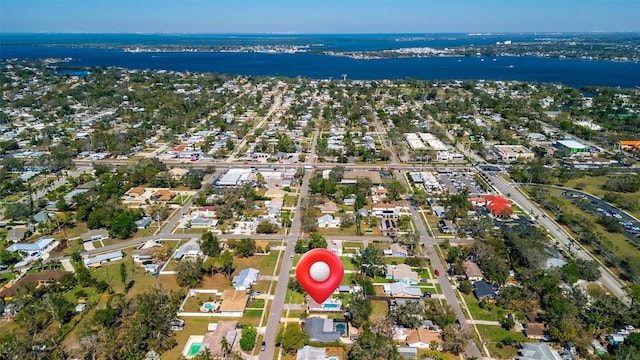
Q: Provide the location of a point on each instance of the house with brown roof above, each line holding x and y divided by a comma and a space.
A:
135, 192
328, 207
234, 302
402, 273
536, 331
162, 195
41, 279
472, 271
422, 338
273, 193
213, 339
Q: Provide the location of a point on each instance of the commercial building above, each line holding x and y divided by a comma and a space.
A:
573, 146
511, 153
629, 145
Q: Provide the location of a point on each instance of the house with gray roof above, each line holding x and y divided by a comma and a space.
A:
203, 222
245, 279
103, 258
400, 289
43, 216
482, 290
17, 234
311, 353
537, 351
143, 223
328, 221
95, 235
321, 330
191, 250
68, 198
38, 246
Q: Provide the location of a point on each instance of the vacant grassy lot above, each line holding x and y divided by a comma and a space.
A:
264, 263
491, 312
494, 335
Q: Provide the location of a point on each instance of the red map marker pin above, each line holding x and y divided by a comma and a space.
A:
319, 272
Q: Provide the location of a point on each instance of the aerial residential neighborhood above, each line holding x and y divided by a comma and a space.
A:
162, 214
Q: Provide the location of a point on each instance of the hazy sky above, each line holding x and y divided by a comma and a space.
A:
319, 16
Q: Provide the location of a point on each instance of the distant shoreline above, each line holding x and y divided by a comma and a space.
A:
620, 47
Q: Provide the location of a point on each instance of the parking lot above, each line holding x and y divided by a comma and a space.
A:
600, 208
456, 182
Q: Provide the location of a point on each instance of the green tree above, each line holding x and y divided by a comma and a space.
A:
266, 227
409, 314
209, 244
58, 307
465, 287
359, 310
316, 241
225, 260
189, 273
371, 346
123, 273
123, 225
292, 338
370, 262
246, 247
395, 190
225, 346
9, 258
248, 339
454, 339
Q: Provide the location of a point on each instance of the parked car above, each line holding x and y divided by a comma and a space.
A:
263, 346
437, 272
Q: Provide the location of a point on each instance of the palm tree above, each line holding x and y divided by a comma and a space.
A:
225, 346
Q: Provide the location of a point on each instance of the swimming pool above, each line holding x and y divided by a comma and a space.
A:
342, 329
193, 349
210, 306
331, 306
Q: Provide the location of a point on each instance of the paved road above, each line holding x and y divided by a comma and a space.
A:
283, 278
243, 142
443, 280
507, 189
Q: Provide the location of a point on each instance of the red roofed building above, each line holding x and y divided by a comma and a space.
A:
498, 205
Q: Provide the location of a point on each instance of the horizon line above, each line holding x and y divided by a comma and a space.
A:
284, 33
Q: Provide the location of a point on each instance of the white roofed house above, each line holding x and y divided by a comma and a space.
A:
203, 223
328, 221
189, 250
142, 255
95, 235
385, 210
